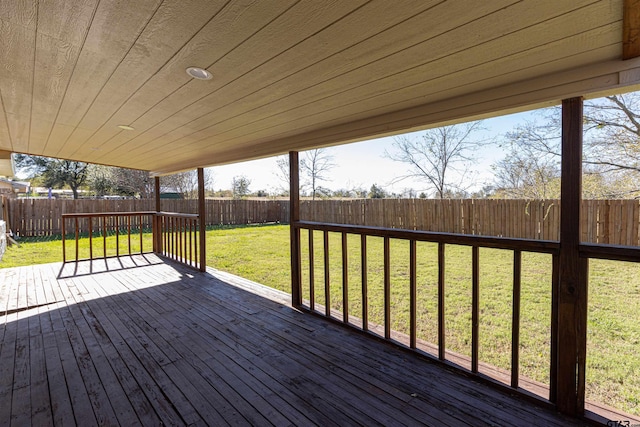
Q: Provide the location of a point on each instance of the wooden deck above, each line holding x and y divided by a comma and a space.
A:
139, 341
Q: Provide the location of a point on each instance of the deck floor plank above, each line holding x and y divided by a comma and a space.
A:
282, 337
166, 399
407, 374
141, 341
228, 394
133, 398
228, 362
110, 396
254, 351
354, 363
89, 360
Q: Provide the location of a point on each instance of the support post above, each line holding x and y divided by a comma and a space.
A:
294, 217
572, 289
157, 230
202, 219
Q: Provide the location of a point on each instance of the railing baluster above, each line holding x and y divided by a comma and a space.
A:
185, 240
365, 296
327, 290
179, 249
129, 232
140, 226
165, 235
412, 294
104, 236
196, 245
387, 289
77, 248
345, 280
441, 329
515, 322
312, 281
475, 308
64, 241
117, 220
190, 242
90, 237
168, 236
553, 368
172, 237
176, 242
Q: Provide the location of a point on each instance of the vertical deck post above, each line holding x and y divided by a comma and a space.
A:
572, 289
202, 219
294, 217
157, 231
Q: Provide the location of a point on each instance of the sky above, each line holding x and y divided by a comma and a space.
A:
361, 164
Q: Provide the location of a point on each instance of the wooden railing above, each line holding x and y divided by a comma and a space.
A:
313, 255
176, 237
121, 225
361, 320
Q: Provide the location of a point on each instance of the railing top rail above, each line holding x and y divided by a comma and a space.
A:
136, 213
527, 245
612, 252
177, 214
101, 214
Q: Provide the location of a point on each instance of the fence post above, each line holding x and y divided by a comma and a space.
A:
294, 217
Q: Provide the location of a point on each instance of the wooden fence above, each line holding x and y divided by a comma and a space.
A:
603, 221
43, 217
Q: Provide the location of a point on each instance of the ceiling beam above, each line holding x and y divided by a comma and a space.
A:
631, 29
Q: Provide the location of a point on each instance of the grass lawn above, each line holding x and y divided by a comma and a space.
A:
261, 253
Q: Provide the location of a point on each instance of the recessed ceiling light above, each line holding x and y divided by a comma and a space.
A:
199, 73
126, 127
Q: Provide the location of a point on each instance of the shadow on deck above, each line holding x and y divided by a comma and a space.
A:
106, 343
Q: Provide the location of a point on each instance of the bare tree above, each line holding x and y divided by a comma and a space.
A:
531, 169
133, 182
437, 154
282, 173
611, 149
612, 129
186, 183
315, 166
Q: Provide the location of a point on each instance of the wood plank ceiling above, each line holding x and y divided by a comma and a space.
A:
287, 74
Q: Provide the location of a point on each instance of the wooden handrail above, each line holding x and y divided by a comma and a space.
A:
610, 252
103, 214
527, 245
177, 214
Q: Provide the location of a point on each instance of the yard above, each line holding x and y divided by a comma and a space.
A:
261, 254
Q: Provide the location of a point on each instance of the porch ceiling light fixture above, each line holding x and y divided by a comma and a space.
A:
126, 127
199, 73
